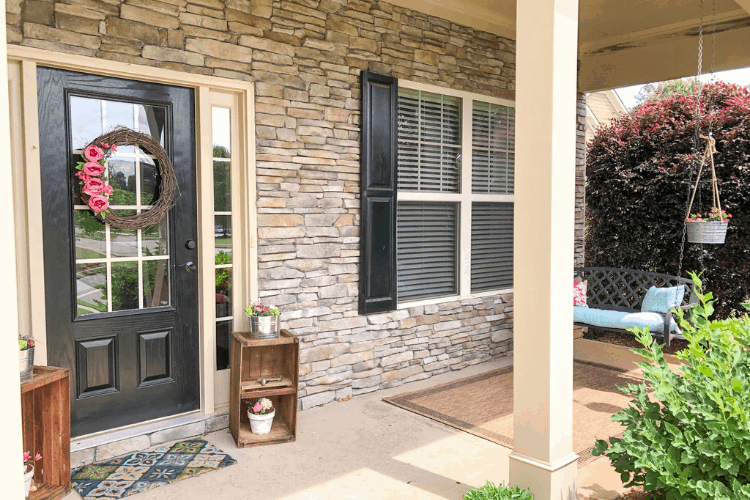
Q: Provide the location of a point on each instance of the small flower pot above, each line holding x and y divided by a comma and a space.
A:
712, 232
260, 424
26, 361
264, 327
28, 475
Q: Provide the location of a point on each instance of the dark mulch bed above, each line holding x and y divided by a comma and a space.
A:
627, 339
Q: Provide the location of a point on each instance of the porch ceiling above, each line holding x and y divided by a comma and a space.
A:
624, 42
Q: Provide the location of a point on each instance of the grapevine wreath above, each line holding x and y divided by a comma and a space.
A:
96, 191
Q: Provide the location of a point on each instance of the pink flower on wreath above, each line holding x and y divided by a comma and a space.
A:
93, 153
99, 203
107, 190
105, 145
257, 408
114, 148
93, 186
93, 168
82, 175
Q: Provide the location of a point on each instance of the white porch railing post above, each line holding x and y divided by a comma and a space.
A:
546, 83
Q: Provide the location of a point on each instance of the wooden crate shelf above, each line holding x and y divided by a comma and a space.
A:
45, 407
251, 361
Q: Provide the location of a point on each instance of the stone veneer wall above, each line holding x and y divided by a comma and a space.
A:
305, 57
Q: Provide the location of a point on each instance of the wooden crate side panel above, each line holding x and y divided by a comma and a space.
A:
63, 391
234, 390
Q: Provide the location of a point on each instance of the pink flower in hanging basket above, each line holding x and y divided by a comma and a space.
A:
93, 168
93, 153
99, 203
93, 186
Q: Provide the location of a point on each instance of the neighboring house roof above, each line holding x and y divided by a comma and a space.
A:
601, 107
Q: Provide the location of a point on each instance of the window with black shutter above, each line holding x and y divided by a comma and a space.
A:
454, 219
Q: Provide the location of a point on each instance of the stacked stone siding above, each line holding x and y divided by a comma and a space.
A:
305, 57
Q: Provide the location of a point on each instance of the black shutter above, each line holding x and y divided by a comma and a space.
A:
377, 264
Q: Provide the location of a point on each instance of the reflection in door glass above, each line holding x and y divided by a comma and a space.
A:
91, 290
129, 267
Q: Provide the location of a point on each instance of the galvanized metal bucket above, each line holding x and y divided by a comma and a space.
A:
26, 359
713, 232
264, 327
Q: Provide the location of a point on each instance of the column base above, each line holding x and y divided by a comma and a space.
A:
546, 481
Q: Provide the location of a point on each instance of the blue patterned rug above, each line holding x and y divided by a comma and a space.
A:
137, 472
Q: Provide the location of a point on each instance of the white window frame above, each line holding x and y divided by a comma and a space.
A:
465, 198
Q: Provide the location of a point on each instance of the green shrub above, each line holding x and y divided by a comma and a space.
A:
690, 438
500, 492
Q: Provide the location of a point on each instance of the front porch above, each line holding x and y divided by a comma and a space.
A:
367, 448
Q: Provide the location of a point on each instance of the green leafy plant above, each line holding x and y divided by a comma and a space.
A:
500, 492
687, 435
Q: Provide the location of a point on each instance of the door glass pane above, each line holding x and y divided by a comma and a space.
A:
91, 288
90, 236
223, 292
223, 235
156, 239
123, 242
104, 285
152, 121
85, 121
155, 283
121, 171
149, 178
124, 286
222, 185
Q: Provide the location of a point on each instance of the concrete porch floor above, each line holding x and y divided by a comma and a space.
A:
366, 448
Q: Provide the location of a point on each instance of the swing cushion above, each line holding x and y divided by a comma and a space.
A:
622, 320
662, 300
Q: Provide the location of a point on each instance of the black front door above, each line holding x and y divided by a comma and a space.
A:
121, 306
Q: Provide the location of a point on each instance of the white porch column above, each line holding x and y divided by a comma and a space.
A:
546, 62
11, 477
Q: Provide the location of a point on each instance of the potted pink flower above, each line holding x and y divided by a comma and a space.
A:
26, 357
264, 321
28, 469
711, 229
261, 415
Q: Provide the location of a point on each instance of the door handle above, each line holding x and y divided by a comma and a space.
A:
190, 267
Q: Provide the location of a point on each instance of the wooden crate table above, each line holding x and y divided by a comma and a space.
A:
252, 361
45, 410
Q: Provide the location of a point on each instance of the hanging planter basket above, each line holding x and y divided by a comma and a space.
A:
713, 232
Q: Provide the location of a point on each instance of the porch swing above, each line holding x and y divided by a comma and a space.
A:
619, 299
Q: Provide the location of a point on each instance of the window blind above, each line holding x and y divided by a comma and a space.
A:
429, 141
493, 148
491, 246
427, 250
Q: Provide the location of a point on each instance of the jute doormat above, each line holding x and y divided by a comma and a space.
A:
157, 466
483, 405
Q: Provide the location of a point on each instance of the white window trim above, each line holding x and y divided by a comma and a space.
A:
464, 199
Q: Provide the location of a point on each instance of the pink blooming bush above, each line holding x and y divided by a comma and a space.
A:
258, 309
90, 168
638, 179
